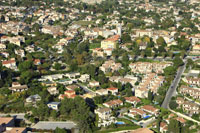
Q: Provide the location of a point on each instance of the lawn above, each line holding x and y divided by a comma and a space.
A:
95, 45
125, 120
83, 23
119, 129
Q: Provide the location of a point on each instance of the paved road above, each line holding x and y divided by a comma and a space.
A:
85, 88
192, 100
185, 116
18, 116
172, 89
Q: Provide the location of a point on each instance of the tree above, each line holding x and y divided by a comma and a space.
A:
60, 130
178, 61
24, 66
174, 126
57, 66
126, 38
173, 104
161, 41
169, 71
150, 95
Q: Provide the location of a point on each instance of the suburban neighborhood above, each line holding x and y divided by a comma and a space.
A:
84, 66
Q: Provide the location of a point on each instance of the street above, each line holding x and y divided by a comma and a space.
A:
85, 88
18, 116
172, 89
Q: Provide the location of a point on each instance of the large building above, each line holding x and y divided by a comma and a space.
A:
110, 42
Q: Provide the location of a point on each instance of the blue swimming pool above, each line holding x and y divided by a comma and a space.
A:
147, 116
120, 123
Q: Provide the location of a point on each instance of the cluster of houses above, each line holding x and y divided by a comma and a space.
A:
189, 107
148, 67
150, 82
124, 80
105, 113
110, 66
191, 91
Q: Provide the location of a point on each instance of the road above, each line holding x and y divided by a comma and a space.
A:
172, 89
85, 88
185, 116
18, 116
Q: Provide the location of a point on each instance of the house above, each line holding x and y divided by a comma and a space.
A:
113, 90
98, 52
179, 100
132, 100
20, 52
102, 92
192, 80
53, 105
193, 92
94, 84
110, 42
2, 46
52, 90
134, 111
6, 122
103, 113
150, 109
17, 87
48, 83
37, 62
141, 92
84, 78
181, 120
113, 103
10, 64
110, 66
33, 98
72, 87
89, 95
16, 130
141, 33
68, 94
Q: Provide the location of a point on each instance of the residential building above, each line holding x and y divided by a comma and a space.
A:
113, 103
132, 100
110, 42
6, 122
113, 91
53, 105
17, 87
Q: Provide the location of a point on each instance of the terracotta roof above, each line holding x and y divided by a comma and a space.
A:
5, 120
16, 130
180, 119
8, 62
133, 99
113, 38
112, 88
149, 108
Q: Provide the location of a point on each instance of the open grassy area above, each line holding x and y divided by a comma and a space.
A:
125, 120
95, 45
83, 23
119, 129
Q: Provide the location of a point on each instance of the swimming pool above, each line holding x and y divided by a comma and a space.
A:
120, 123
147, 116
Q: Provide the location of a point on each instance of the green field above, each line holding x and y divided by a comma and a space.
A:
119, 129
